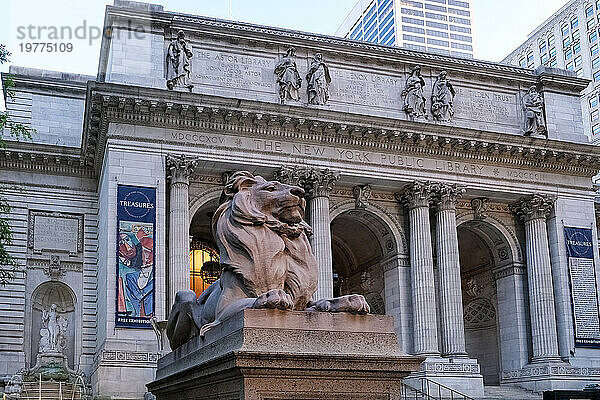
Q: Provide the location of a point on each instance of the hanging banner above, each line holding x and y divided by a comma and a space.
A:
136, 221
584, 293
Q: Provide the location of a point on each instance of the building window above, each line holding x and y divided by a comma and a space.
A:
544, 58
458, 3
596, 63
564, 29
552, 52
413, 29
414, 21
408, 11
435, 8
553, 63
522, 62
576, 36
589, 11
593, 101
594, 50
569, 66
597, 4
568, 54
576, 48
543, 47
566, 42
597, 76
458, 20
596, 129
591, 23
204, 266
436, 16
461, 29
413, 38
435, 42
594, 115
437, 25
431, 32
579, 73
593, 37
530, 57
577, 61
574, 22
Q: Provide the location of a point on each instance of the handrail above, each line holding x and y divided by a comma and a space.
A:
453, 393
415, 395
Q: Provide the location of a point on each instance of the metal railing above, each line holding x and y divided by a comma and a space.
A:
431, 388
411, 393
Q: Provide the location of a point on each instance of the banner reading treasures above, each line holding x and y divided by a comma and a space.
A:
136, 219
584, 295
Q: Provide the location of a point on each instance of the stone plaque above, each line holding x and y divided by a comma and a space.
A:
364, 88
486, 106
236, 71
55, 232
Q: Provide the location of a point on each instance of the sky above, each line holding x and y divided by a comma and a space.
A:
500, 25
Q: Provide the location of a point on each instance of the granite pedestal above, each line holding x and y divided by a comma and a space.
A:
272, 354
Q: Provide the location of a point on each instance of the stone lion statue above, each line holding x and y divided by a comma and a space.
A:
266, 258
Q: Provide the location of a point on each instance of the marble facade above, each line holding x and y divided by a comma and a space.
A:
459, 236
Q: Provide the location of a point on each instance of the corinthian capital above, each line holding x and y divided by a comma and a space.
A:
316, 182
180, 167
416, 194
534, 206
446, 195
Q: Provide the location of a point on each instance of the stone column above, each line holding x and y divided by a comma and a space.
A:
179, 169
534, 210
451, 307
318, 184
417, 197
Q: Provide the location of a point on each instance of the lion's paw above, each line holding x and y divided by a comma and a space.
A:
275, 298
352, 303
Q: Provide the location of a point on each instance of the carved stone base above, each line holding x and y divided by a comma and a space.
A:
51, 358
552, 376
272, 354
460, 374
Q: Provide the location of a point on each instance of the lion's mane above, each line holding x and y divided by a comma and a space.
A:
264, 252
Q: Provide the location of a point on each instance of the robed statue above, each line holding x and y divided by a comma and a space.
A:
442, 96
414, 100
318, 79
53, 332
288, 77
178, 63
533, 107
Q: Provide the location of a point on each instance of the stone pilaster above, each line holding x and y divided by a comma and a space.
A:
534, 210
450, 292
318, 184
179, 169
416, 197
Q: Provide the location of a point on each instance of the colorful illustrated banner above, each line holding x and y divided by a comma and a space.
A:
136, 221
584, 293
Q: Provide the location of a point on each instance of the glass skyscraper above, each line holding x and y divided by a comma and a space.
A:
440, 26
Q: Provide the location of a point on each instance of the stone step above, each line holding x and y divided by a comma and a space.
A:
50, 391
509, 392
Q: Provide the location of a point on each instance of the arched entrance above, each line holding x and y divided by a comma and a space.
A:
204, 254
361, 243
485, 249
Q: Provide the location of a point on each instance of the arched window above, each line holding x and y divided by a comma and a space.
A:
204, 266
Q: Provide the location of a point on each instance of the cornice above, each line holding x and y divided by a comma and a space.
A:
45, 159
194, 112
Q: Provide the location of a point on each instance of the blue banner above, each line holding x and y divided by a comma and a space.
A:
136, 222
584, 293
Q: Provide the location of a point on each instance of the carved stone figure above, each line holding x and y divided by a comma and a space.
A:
414, 100
266, 258
318, 79
178, 63
288, 77
480, 207
533, 107
442, 96
53, 332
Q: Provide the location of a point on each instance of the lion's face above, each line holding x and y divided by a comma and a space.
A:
284, 202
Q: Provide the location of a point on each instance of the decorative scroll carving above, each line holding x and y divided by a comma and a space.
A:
480, 207
179, 69
534, 206
416, 194
318, 80
362, 194
288, 77
414, 99
533, 107
54, 269
442, 98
